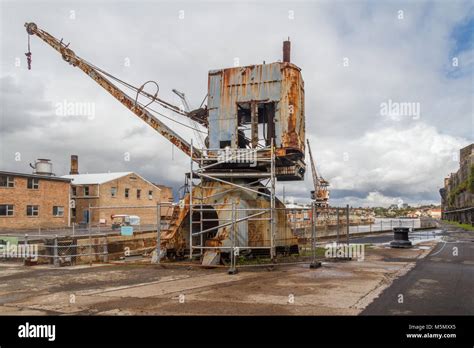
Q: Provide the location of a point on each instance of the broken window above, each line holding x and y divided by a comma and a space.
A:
127, 192
224, 143
113, 192
86, 190
150, 194
139, 193
255, 124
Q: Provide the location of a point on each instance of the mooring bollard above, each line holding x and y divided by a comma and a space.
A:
400, 235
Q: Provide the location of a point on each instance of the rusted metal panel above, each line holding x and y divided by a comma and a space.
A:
253, 233
280, 83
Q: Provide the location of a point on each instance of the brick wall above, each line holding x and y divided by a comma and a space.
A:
50, 193
132, 182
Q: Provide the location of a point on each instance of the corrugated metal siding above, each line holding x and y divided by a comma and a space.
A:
277, 82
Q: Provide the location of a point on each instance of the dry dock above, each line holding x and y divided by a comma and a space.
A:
340, 288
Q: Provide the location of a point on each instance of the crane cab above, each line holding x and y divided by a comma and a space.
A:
251, 105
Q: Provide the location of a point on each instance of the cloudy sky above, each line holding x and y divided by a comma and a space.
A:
357, 59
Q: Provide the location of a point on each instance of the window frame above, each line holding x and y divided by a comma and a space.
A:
34, 184
8, 182
32, 210
7, 210
58, 210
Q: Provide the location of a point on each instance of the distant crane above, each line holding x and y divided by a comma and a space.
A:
320, 194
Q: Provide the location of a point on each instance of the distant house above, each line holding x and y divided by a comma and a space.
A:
435, 213
97, 197
31, 201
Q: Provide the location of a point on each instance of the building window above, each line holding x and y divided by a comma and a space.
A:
58, 211
150, 194
33, 183
139, 193
113, 192
74, 190
6, 209
32, 210
86, 190
7, 181
127, 192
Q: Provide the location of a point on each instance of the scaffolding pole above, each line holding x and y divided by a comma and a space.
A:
207, 161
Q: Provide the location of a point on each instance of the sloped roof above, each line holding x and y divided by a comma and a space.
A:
91, 179
43, 177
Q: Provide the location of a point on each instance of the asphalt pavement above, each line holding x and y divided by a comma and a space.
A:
442, 283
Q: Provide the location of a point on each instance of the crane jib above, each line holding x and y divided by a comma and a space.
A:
69, 56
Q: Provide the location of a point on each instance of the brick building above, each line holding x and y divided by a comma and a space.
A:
30, 201
97, 197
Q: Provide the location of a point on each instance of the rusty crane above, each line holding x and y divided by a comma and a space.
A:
255, 126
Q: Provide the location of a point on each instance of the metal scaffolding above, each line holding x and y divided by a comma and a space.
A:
244, 179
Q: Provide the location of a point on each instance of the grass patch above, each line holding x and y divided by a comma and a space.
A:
457, 224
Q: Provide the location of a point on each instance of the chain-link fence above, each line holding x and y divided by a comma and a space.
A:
59, 250
241, 236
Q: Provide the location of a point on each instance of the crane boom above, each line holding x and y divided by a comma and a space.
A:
70, 57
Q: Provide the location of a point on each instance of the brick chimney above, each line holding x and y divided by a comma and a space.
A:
286, 51
74, 165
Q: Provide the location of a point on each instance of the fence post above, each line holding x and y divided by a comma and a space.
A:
337, 224
158, 232
347, 221
314, 220
90, 235
25, 244
106, 249
381, 225
233, 263
55, 251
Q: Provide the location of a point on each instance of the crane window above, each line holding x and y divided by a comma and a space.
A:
255, 124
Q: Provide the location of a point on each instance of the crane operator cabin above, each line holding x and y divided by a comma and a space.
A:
251, 105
